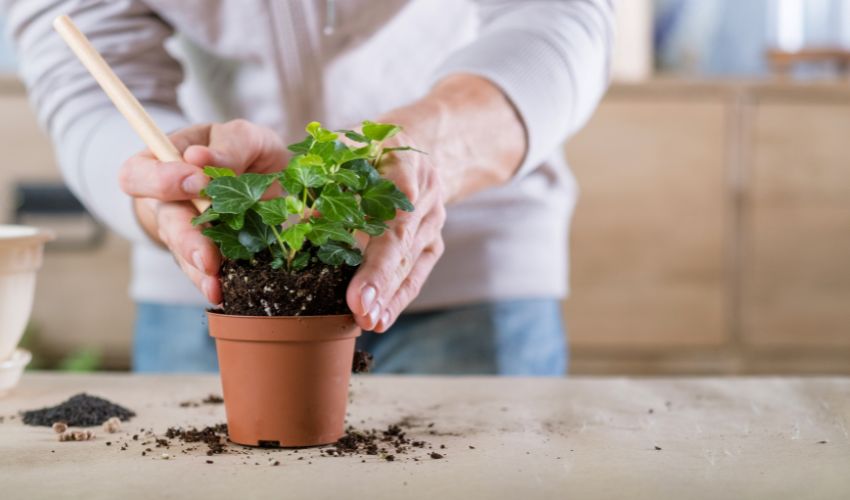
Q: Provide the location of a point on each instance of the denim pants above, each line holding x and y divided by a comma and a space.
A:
515, 337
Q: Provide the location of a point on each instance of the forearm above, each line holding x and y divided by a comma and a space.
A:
471, 131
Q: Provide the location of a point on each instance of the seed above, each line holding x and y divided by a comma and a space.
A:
59, 427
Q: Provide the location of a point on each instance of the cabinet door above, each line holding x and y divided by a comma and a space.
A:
796, 225
649, 265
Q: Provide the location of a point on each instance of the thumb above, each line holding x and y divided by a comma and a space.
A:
203, 156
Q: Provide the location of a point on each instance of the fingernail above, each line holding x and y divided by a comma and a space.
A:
373, 314
367, 297
199, 262
385, 319
194, 183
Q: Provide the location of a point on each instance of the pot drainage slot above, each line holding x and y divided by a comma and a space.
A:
268, 444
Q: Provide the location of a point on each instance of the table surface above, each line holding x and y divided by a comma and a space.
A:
532, 438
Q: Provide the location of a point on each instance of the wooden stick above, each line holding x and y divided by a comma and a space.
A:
154, 138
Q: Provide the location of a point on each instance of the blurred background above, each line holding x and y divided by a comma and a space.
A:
712, 235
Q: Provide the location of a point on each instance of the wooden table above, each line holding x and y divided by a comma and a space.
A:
532, 438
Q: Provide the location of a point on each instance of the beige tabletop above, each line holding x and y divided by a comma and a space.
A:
532, 438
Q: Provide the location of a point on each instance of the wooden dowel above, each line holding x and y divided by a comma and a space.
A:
154, 138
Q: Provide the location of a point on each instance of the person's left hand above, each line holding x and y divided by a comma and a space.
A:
397, 263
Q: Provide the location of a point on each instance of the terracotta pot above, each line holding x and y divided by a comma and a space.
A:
285, 379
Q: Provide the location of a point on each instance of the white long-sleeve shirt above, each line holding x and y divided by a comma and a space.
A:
284, 63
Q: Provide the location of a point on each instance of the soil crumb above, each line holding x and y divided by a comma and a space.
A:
212, 399
387, 443
255, 289
81, 410
362, 362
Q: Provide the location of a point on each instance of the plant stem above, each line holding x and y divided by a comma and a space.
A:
279, 241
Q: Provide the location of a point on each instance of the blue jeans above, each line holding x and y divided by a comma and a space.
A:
516, 337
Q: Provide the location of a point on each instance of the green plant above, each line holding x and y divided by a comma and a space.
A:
331, 191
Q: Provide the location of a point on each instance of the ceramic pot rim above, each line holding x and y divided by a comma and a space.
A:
16, 235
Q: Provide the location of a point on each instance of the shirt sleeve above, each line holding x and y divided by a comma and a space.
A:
91, 139
551, 59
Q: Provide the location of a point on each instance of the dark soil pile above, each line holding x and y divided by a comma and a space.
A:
215, 437
258, 290
81, 410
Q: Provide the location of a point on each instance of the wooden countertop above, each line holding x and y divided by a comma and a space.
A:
532, 438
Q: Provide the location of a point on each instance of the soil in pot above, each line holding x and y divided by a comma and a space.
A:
255, 289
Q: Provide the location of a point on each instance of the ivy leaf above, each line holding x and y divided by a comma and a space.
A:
295, 235
334, 255
302, 147
300, 260
367, 173
233, 195
381, 200
320, 134
310, 160
324, 231
228, 242
349, 178
217, 172
355, 136
256, 236
234, 221
335, 205
294, 205
373, 227
379, 131
297, 177
209, 215
273, 212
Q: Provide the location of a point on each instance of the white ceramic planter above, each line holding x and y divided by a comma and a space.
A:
21, 249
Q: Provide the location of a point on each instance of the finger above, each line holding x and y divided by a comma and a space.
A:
388, 262
243, 145
145, 177
410, 287
191, 248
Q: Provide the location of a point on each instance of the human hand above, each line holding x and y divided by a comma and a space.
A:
397, 263
162, 189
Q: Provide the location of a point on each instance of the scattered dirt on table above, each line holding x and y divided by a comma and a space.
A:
81, 410
212, 399
258, 290
215, 437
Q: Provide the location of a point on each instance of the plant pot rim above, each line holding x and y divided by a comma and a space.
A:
213, 312
18, 235
231, 327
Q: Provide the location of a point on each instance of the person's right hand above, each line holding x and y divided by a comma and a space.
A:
162, 189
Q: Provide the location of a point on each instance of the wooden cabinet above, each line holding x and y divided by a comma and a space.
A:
712, 234
796, 223
649, 264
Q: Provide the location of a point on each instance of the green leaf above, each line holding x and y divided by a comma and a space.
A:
349, 178
310, 160
381, 200
297, 177
367, 173
233, 195
355, 136
294, 205
324, 231
379, 131
209, 215
216, 172
300, 260
273, 212
320, 134
404, 148
335, 205
295, 235
277, 262
228, 242
373, 227
255, 235
334, 255
234, 221
302, 147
